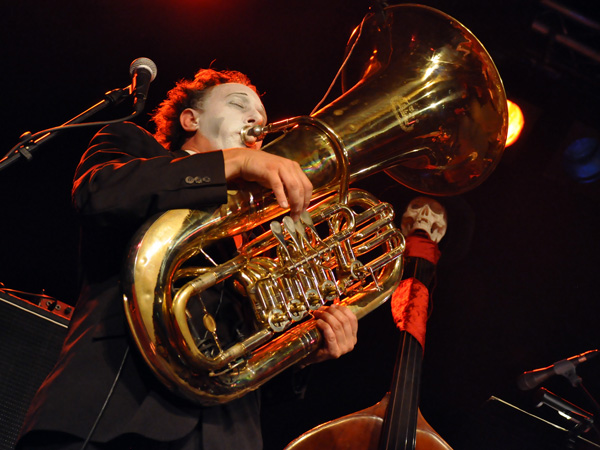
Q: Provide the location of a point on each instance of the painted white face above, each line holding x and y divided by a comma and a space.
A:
425, 214
226, 110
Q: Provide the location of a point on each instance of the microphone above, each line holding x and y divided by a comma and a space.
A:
531, 379
143, 72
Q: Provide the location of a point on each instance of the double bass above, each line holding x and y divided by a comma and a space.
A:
395, 422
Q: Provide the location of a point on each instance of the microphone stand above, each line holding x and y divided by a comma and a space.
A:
577, 382
30, 142
583, 420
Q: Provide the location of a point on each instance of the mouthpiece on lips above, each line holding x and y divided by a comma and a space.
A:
252, 133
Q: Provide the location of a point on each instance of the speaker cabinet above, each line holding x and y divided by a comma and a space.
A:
31, 336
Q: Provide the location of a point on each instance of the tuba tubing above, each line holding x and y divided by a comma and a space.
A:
426, 106
169, 348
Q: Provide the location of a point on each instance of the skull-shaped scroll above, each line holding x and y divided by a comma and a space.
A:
426, 214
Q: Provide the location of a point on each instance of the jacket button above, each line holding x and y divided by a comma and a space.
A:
197, 180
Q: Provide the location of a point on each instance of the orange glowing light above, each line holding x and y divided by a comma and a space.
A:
515, 123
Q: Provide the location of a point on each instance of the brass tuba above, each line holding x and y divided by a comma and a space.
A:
426, 104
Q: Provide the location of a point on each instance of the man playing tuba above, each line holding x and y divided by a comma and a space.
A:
101, 394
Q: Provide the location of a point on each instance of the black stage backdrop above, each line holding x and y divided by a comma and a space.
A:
517, 283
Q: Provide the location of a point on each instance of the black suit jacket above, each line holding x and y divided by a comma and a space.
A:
124, 178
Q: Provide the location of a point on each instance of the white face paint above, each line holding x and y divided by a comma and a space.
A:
425, 214
225, 111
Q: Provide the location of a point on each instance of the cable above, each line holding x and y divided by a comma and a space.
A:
337, 75
110, 393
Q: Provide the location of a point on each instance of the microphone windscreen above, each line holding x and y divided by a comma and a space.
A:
145, 63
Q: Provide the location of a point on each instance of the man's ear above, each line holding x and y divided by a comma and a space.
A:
189, 119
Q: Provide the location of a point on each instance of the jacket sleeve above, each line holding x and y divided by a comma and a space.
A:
127, 174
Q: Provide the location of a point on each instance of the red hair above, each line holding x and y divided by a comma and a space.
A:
188, 94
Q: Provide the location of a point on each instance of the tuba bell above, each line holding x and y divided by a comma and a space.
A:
425, 104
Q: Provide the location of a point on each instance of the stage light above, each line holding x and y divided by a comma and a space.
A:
516, 121
581, 160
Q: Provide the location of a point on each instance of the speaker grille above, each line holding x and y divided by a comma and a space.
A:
30, 340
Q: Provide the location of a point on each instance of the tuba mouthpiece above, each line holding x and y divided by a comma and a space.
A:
253, 133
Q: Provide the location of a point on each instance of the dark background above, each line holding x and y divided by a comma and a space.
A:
517, 283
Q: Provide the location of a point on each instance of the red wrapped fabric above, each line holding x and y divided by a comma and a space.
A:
418, 246
410, 302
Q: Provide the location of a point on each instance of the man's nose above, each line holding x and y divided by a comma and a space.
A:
255, 118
